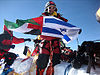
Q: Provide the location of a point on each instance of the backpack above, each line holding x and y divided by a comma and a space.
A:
87, 53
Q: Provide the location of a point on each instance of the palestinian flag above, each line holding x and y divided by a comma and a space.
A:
30, 26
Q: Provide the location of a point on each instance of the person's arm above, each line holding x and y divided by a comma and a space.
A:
62, 18
17, 40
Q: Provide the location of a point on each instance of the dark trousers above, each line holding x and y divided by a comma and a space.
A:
44, 55
43, 60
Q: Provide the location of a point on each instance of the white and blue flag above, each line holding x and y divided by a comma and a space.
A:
55, 27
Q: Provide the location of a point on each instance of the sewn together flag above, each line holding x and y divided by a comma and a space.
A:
47, 25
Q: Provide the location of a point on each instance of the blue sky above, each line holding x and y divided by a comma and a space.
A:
80, 13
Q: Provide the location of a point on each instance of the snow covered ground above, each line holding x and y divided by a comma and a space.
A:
58, 69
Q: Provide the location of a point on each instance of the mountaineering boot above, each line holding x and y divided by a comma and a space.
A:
6, 71
39, 71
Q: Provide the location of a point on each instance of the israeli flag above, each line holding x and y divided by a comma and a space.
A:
55, 27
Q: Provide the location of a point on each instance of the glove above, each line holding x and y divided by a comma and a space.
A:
27, 40
12, 46
37, 41
80, 31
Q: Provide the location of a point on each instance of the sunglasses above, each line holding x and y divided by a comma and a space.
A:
52, 8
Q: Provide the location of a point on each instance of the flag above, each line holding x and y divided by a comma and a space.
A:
30, 26
47, 25
55, 27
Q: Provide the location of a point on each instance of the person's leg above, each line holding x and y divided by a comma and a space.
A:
41, 63
56, 52
56, 59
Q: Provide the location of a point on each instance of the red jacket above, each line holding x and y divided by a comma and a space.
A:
49, 37
6, 40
